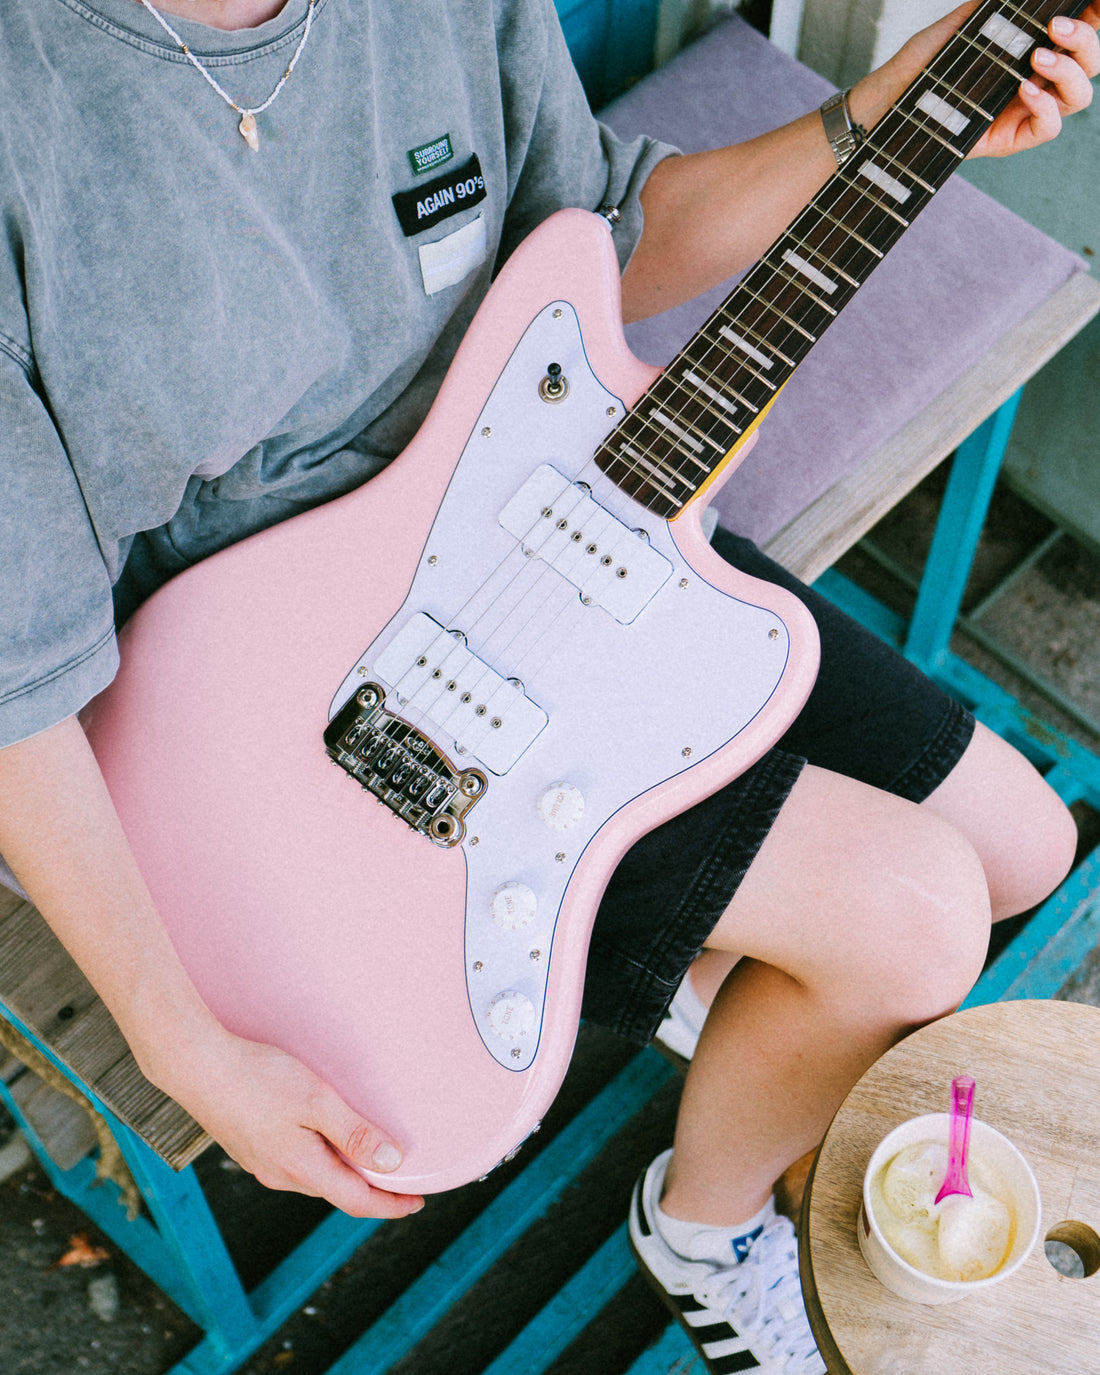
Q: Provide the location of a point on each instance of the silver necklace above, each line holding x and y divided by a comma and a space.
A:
247, 126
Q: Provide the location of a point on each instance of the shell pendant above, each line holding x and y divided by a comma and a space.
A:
248, 131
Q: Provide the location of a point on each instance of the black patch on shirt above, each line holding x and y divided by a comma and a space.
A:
427, 205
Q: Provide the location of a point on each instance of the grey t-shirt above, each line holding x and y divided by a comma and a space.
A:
199, 339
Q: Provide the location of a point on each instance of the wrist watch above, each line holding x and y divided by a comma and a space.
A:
844, 136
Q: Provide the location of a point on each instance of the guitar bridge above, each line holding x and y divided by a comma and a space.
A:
401, 767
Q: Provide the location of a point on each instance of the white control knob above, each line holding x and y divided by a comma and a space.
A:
513, 906
561, 806
511, 1015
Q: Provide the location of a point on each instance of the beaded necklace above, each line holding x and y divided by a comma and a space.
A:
247, 127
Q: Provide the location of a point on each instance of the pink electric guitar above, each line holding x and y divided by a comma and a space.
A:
378, 763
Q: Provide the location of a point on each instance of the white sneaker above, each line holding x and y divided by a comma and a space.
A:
744, 1316
678, 1033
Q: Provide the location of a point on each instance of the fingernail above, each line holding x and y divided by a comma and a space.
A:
386, 1157
1043, 58
1030, 87
1062, 27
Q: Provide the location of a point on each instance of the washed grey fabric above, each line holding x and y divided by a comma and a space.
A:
203, 339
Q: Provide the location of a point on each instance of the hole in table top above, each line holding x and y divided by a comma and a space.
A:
1073, 1249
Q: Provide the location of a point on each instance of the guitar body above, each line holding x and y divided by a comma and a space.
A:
566, 682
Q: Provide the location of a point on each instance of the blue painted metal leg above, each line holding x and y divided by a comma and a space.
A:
958, 529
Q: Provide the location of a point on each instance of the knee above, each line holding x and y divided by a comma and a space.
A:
936, 934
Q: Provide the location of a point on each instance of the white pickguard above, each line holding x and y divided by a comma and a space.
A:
627, 705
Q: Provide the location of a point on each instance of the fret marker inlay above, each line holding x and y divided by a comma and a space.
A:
745, 347
712, 392
877, 175
954, 121
809, 271
1006, 35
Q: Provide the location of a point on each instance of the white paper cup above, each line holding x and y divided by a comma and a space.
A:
1016, 1187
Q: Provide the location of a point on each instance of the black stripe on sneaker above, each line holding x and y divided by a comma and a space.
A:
730, 1365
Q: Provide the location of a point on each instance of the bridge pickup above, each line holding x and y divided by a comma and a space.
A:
402, 768
560, 522
435, 676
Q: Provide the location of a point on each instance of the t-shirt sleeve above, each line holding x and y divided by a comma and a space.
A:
57, 643
559, 154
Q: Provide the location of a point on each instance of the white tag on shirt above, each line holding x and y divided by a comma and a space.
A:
448, 260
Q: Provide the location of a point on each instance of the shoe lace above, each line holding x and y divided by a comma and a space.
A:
762, 1298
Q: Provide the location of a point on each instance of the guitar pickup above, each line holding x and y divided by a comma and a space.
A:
435, 676
561, 522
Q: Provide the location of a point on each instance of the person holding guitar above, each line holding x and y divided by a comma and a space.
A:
242, 241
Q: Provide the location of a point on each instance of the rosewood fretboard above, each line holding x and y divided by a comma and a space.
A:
713, 392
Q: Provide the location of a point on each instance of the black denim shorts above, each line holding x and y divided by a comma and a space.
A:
871, 715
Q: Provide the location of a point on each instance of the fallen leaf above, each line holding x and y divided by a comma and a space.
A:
81, 1252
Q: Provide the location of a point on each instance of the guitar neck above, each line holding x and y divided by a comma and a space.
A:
684, 429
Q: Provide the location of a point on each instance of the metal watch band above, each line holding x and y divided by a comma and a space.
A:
844, 136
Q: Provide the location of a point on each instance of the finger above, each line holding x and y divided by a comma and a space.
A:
1078, 39
1044, 117
1065, 77
314, 1168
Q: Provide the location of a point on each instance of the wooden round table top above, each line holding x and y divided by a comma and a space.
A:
1037, 1067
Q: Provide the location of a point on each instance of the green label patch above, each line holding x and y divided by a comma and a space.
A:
430, 155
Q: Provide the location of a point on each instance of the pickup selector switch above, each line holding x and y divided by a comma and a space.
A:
561, 806
511, 1015
513, 906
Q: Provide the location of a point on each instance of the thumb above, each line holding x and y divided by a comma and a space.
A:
359, 1141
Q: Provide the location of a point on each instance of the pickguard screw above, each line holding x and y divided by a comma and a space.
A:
536, 955
612, 410
475, 840
686, 751
516, 1053
363, 671
558, 314
432, 559
486, 431
773, 634
478, 966
560, 857
683, 582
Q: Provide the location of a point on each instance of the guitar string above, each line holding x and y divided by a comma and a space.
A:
976, 56
948, 78
713, 373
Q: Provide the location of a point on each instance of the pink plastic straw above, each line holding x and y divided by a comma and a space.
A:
962, 1104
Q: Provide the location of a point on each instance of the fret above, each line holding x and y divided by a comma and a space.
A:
815, 252
782, 315
686, 435
990, 55
878, 176
881, 205
714, 396
1014, 41
943, 112
1026, 18
966, 100
851, 233
718, 385
743, 346
923, 127
653, 470
882, 152
764, 342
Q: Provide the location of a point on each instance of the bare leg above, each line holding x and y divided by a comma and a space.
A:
862, 917
1022, 832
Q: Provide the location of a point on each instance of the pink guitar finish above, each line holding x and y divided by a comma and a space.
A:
315, 919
